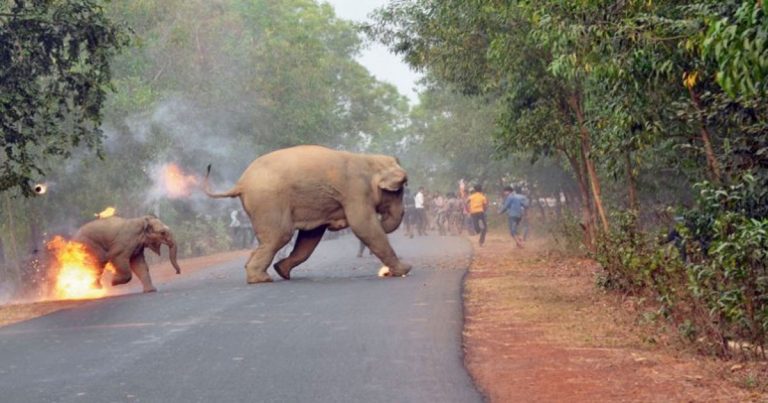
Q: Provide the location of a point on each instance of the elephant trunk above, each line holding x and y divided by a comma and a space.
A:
172, 249
392, 216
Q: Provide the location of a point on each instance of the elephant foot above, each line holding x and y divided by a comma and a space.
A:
284, 273
152, 289
261, 278
118, 280
400, 270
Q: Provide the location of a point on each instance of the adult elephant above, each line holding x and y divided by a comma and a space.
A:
121, 241
311, 189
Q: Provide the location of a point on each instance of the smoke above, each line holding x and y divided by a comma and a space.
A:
184, 132
182, 138
6, 292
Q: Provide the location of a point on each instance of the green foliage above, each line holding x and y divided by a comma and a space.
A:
449, 140
566, 231
621, 254
54, 76
719, 293
200, 236
738, 42
202, 82
283, 73
730, 276
658, 95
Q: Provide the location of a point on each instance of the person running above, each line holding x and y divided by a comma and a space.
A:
457, 211
477, 203
514, 205
440, 205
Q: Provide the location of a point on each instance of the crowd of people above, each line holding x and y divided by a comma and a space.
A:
452, 214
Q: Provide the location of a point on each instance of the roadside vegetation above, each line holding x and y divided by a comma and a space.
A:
639, 128
656, 113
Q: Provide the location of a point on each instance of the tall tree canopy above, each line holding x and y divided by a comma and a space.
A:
54, 77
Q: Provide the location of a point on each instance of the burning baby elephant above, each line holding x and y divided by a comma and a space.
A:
311, 189
121, 241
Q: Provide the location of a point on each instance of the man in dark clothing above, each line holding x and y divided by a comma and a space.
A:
514, 205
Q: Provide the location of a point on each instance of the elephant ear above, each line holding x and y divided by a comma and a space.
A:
152, 244
392, 179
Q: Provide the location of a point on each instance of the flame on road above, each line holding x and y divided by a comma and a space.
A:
41, 188
106, 213
175, 182
75, 270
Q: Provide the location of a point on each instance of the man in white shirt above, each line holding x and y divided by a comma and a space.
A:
421, 214
235, 227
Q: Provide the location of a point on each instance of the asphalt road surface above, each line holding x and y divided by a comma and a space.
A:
334, 333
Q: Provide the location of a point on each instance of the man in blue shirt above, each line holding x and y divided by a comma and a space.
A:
514, 205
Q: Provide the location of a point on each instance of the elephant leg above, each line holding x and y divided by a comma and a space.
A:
141, 269
362, 219
99, 272
306, 242
261, 257
122, 266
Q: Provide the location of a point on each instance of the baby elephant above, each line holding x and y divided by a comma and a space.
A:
121, 241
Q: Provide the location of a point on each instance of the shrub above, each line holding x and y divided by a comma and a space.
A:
716, 290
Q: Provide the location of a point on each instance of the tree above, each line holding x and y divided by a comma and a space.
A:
512, 52
54, 77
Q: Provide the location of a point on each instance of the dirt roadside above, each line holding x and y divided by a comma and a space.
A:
537, 329
161, 273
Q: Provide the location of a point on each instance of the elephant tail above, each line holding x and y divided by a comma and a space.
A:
234, 192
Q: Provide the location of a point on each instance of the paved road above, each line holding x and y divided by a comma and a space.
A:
335, 333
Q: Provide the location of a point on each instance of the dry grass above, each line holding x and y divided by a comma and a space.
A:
537, 329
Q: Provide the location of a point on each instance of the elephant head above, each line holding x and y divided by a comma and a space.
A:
389, 183
155, 234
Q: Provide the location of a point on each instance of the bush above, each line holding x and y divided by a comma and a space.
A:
716, 290
201, 236
567, 231
729, 277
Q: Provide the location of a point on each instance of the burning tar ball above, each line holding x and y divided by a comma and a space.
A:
41, 188
385, 272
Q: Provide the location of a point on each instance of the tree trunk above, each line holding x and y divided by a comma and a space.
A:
586, 150
712, 164
587, 216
